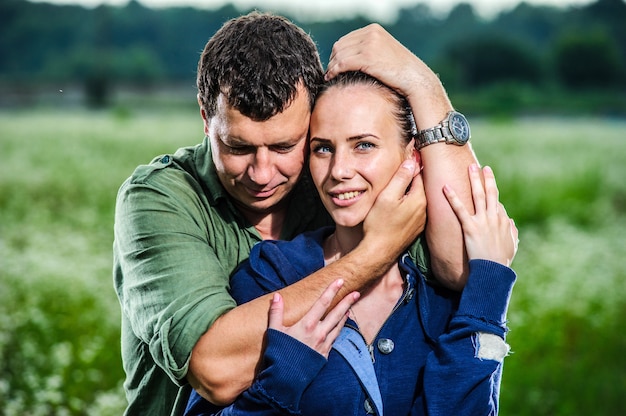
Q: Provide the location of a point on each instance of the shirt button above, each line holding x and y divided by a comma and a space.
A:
369, 409
385, 345
165, 160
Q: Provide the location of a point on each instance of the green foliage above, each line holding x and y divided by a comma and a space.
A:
491, 58
59, 325
108, 45
560, 179
588, 60
566, 322
562, 182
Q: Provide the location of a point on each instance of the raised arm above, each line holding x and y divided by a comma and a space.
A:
224, 360
469, 355
374, 51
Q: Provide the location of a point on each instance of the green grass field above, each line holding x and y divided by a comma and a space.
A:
561, 179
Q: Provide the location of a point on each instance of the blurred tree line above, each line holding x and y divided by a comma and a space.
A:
573, 49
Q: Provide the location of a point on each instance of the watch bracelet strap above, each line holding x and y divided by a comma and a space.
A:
432, 135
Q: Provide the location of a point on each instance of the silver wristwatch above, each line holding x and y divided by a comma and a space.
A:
454, 129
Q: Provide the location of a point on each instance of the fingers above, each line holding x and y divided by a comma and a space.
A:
457, 206
338, 315
313, 329
401, 180
345, 53
276, 313
491, 189
478, 191
488, 234
320, 307
336, 319
514, 236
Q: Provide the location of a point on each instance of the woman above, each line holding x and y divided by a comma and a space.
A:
407, 347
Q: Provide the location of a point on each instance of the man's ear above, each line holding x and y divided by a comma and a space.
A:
204, 116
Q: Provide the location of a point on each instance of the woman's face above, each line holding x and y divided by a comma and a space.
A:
356, 147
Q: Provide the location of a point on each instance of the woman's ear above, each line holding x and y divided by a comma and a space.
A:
412, 153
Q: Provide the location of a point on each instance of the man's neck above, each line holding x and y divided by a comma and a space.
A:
269, 224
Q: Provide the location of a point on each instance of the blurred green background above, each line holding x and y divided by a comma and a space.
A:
81, 105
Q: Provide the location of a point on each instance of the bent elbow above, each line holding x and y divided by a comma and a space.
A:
451, 275
219, 396
214, 385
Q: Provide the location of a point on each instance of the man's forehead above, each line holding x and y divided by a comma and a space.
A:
243, 131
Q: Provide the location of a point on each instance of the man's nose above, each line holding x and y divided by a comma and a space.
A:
261, 170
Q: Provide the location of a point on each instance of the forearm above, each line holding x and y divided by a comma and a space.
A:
289, 366
224, 361
443, 164
447, 164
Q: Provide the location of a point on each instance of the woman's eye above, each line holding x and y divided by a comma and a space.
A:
321, 149
365, 145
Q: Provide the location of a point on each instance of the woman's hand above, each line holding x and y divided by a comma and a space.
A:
317, 329
489, 234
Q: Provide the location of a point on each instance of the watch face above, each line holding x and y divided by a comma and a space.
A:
459, 127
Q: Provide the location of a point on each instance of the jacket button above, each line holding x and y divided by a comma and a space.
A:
385, 345
369, 409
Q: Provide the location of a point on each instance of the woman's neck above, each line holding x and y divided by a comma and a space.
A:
341, 242
376, 303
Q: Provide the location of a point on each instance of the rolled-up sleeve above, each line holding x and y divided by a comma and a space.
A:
169, 279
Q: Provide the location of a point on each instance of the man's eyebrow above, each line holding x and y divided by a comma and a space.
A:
237, 141
234, 140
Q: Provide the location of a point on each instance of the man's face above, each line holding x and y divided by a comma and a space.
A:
259, 162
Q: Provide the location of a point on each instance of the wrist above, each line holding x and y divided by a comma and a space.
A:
377, 254
429, 102
453, 129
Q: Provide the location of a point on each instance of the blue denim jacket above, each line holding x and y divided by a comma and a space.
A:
439, 353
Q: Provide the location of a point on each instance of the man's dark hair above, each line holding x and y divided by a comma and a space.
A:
257, 61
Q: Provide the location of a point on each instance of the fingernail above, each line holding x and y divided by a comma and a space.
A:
473, 167
276, 298
409, 165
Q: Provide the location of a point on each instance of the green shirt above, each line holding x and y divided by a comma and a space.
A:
178, 237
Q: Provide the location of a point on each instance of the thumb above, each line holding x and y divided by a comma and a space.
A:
276, 312
397, 187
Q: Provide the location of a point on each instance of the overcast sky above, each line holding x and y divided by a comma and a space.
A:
374, 9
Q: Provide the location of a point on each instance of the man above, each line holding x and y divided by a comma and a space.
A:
184, 222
